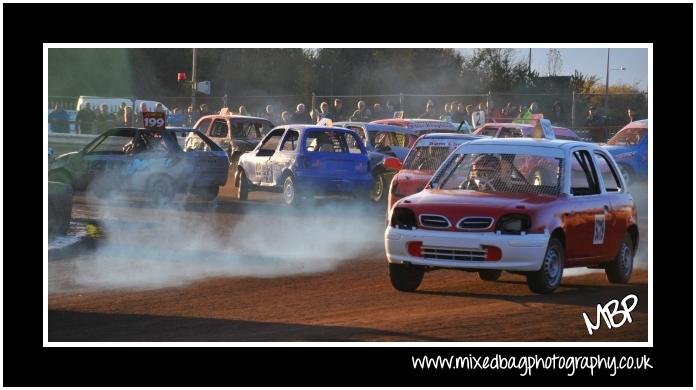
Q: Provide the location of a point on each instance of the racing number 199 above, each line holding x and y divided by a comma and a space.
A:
153, 122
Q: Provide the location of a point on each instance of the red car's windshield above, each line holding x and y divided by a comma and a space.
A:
492, 172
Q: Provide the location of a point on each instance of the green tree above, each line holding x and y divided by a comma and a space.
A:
580, 83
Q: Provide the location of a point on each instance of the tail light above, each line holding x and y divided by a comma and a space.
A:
414, 248
493, 253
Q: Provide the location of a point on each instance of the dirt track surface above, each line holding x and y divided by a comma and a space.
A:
351, 300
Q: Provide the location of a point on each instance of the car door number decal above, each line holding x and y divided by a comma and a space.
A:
263, 172
599, 226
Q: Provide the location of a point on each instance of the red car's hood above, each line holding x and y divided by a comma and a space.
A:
457, 204
476, 198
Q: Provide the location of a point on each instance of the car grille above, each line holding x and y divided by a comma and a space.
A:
475, 223
443, 253
434, 221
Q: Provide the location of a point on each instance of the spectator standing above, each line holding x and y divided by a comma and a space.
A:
378, 112
324, 114
521, 115
389, 111
190, 117
632, 115
204, 110
557, 114
270, 115
337, 114
128, 116
121, 114
59, 120
85, 119
176, 118
466, 126
508, 112
138, 119
593, 118
285, 118
243, 111
104, 119
458, 113
447, 113
429, 111
493, 112
362, 114
301, 116
593, 121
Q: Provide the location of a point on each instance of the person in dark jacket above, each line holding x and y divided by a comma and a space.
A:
429, 111
301, 116
337, 114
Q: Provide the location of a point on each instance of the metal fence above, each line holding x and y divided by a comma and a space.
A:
563, 109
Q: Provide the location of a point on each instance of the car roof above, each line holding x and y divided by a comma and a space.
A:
173, 129
307, 127
452, 135
532, 142
372, 126
643, 123
510, 124
216, 116
558, 130
416, 123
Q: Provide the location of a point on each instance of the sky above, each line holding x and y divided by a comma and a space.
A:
594, 62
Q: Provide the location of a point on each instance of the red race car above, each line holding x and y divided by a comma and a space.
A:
487, 209
429, 151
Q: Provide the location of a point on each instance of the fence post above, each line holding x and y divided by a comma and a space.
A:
224, 101
401, 101
134, 118
572, 112
314, 98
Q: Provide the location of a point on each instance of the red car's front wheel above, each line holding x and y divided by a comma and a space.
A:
548, 278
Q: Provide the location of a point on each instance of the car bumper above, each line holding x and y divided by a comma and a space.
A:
519, 253
328, 184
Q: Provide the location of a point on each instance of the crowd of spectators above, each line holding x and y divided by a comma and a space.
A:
470, 116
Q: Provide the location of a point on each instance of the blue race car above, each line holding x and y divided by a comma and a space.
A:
154, 162
629, 147
302, 160
384, 140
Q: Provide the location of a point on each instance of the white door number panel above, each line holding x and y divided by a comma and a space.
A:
599, 226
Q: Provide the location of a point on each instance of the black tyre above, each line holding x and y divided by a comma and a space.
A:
162, 190
207, 194
242, 185
619, 271
405, 277
548, 278
490, 275
378, 194
291, 196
